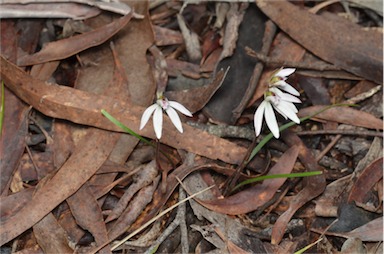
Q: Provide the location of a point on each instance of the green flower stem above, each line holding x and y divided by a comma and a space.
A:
125, 128
129, 131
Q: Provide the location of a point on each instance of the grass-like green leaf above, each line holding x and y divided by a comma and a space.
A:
291, 175
301, 251
125, 128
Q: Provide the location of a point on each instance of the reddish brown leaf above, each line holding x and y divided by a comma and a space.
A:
347, 115
368, 178
81, 107
253, 197
50, 236
313, 186
132, 45
12, 138
70, 46
15, 122
87, 213
330, 37
9, 205
165, 36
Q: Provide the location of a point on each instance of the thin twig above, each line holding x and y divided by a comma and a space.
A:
270, 61
341, 132
328, 148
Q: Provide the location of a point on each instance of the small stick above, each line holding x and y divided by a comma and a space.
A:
341, 132
270, 61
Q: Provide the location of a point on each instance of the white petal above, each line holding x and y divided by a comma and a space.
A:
290, 98
175, 119
180, 108
158, 122
281, 112
270, 118
284, 96
286, 108
290, 89
285, 72
147, 114
258, 118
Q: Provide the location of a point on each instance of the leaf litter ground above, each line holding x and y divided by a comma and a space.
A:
71, 181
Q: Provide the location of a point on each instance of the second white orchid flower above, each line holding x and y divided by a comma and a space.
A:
275, 99
163, 104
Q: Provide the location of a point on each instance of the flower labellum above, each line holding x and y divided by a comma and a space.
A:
278, 80
162, 104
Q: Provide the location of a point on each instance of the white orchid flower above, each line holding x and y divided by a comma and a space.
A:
278, 80
282, 103
162, 104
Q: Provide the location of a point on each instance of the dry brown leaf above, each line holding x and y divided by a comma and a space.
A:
70, 46
50, 236
165, 36
12, 138
131, 45
15, 122
331, 38
9, 205
345, 115
250, 199
47, 10
367, 179
88, 214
